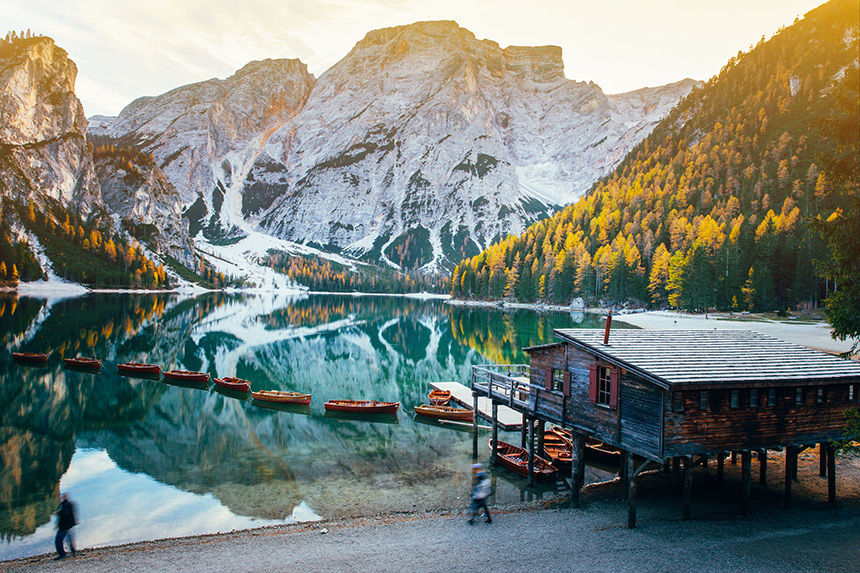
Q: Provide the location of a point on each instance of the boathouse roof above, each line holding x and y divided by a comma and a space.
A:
707, 357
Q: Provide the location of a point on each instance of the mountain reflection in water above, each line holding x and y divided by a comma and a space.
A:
243, 460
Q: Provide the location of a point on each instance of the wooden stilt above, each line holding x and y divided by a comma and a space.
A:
762, 467
631, 493
721, 464
495, 425
474, 426
524, 431
676, 476
540, 430
734, 458
688, 488
831, 473
531, 451
746, 479
577, 468
822, 459
623, 471
788, 474
667, 466
795, 453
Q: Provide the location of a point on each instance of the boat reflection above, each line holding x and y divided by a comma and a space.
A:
359, 417
302, 409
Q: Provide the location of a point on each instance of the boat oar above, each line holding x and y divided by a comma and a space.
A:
469, 424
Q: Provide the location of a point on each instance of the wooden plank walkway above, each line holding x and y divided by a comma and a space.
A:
509, 419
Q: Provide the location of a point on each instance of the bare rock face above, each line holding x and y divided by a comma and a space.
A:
423, 145
43, 129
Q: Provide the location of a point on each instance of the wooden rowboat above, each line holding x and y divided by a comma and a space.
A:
517, 460
439, 397
133, 368
557, 449
281, 397
444, 413
82, 362
362, 406
186, 376
595, 450
33, 357
231, 383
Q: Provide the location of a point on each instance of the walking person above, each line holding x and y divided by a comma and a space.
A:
482, 490
65, 522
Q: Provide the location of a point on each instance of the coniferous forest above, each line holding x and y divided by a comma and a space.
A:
717, 207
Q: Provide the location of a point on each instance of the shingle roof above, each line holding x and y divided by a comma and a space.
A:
709, 357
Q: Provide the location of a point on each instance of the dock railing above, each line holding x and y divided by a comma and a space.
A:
504, 383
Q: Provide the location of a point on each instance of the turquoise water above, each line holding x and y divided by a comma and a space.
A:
144, 459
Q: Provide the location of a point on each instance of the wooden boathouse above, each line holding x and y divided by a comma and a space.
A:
679, 397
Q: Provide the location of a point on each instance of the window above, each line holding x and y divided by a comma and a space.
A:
557, 379
820, 396
852, 392
798, 396
736, 398
677, 402
753, 398
704, 404
771, 397
604, 385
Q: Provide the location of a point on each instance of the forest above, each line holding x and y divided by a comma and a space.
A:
716, 207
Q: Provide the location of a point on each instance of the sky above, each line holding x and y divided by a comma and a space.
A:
124, 50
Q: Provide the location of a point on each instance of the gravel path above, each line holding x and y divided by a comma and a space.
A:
812, 536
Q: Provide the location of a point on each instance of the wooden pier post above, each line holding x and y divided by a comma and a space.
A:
524, 431
577, 467
822, 459
541, 428
688, 488
831, 473
623, 471
676, 475
721, 466
531, 451
734, 457
762, 467
631, 492
788, 473
493, 457
474, 426
746, 481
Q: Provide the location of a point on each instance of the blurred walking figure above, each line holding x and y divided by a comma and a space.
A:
65, 522
482, 490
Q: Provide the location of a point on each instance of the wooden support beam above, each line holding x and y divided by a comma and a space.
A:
789, 450
630, 474
795, 453
746, 479
540, 430
734, 457
762, 467
676, 475
524, 431
688, 488
831, 473
495, 425
623, 471
577, 468
474, 426
531, 451
721, 465
822, 459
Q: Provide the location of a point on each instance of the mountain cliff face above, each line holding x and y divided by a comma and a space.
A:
418, 148
43, 128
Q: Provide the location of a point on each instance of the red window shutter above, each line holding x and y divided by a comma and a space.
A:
547, 381
614, 378
592, 383
566, 387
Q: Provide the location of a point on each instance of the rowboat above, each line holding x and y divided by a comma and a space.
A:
444, 413
362, 406
133, 368
281, 397
34, 357
231, 383
557, 449
82, 362
439, 397
186, 376
595, 450
517, 460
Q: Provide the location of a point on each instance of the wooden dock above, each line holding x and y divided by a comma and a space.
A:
509, 419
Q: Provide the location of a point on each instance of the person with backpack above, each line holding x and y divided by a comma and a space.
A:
480, 493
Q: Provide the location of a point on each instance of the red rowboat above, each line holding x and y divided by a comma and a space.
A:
362, 406
595, 450
445, 413
557, 449
282, 397
34, 357
83, 362
138, 368
517, 460
231, 383
439, 397
186, 376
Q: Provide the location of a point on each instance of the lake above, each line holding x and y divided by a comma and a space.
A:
143, 459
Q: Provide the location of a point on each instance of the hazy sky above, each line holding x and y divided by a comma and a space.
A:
124, 50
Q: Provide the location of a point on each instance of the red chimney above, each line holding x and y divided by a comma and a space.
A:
608, 325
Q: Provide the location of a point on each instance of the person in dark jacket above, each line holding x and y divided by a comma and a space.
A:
65, 522
482, 490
